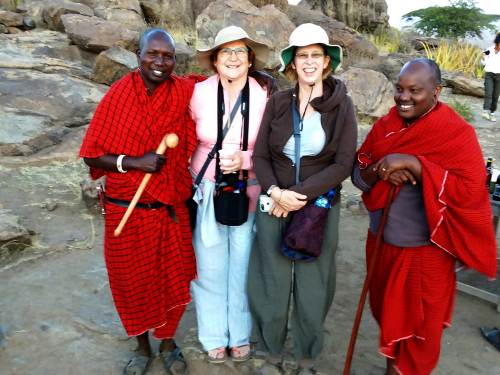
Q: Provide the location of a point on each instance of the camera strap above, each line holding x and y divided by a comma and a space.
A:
244, 99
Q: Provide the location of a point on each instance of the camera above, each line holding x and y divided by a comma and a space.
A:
487, 52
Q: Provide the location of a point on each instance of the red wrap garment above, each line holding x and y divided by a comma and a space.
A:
150, 265
412, 290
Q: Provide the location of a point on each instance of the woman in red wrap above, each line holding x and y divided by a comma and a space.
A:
441, 213
152, 263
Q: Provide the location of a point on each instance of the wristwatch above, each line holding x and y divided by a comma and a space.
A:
270, 190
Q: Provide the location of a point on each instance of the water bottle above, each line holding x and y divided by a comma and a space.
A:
325, 200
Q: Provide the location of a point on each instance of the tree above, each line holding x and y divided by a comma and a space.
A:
460, 19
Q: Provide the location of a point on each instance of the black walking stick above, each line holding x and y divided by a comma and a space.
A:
364, 292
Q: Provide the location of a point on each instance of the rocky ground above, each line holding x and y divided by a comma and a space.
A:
57, 315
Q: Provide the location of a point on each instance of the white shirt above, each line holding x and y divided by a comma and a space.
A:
312, 138
491, 62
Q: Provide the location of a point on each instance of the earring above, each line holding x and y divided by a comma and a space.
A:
250, 65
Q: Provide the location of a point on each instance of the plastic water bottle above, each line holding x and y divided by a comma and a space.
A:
325, 200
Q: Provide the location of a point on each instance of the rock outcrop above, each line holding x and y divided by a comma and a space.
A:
360, 15
266, 25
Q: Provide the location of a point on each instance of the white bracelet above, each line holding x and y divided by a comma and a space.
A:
119, 164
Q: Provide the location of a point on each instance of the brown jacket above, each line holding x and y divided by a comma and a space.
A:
319, 173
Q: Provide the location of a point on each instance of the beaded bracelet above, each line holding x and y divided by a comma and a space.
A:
281, 194
119, 164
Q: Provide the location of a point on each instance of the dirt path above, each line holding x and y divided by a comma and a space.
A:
57, 316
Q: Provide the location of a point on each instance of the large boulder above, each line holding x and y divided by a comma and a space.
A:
338, 32
462, 84
176, 16
113, 64
360, 15
266, 25
35, 11
97, 35
54, 9
10, 18
37, 109
45, 51
125, 12
370, 91
281, 5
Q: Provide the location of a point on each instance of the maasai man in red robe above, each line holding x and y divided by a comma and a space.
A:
150, 265
441, 213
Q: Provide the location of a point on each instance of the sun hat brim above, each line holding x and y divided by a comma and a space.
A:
332, 50
231, 34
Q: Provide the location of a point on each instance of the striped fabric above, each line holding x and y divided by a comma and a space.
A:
456, 200
150, 265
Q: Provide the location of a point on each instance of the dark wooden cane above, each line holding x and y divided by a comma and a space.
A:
364, 292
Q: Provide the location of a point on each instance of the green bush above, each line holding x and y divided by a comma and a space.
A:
463, 109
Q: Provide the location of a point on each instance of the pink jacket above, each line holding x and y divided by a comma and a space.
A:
203, 108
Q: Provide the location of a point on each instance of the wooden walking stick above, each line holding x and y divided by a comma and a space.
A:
368, 277
169, 141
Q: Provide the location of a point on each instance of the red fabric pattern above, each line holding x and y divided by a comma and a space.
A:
412, 294
150, 265
456, 200
129, 122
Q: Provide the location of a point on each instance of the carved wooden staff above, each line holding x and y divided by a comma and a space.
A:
368, 277
170, 141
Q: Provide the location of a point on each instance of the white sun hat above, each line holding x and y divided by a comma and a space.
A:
231, 34
305, 35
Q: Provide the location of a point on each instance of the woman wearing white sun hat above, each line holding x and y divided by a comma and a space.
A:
222, 251
327, 151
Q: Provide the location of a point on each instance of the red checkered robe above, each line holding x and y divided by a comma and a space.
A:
150, 265
412, 290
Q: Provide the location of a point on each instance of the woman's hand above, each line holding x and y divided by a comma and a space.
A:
289, 200
278, 211
231, 163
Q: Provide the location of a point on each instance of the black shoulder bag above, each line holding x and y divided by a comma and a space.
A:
231, 201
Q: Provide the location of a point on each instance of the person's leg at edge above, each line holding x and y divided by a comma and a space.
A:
495, 96
314, 290
239, 318
391, 370
269, 287
167, 332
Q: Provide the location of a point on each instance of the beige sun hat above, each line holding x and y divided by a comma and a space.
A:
231, 34
305, 35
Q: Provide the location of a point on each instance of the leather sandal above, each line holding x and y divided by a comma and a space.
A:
140, 363
214, 355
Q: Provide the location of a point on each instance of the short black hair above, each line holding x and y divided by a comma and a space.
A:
433, 67
497, 39
145, 37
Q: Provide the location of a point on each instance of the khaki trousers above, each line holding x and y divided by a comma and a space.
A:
270, 285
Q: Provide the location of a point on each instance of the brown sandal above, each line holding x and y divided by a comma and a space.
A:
213, 355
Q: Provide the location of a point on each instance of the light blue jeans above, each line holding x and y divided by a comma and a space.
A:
219, 293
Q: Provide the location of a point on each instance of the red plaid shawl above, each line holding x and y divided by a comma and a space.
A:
150, 266
453, 173
129, 122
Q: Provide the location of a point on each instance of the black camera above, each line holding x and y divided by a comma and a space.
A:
487, 52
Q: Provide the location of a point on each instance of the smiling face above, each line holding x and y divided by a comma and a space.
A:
156, 60
233, 67
416, 91
309, 63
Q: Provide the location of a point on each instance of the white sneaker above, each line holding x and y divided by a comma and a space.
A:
492, 118
486, 116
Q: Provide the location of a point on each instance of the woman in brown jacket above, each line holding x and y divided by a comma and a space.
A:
327, 148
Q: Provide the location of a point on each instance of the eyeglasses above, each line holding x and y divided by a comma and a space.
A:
227, 52
304, 56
